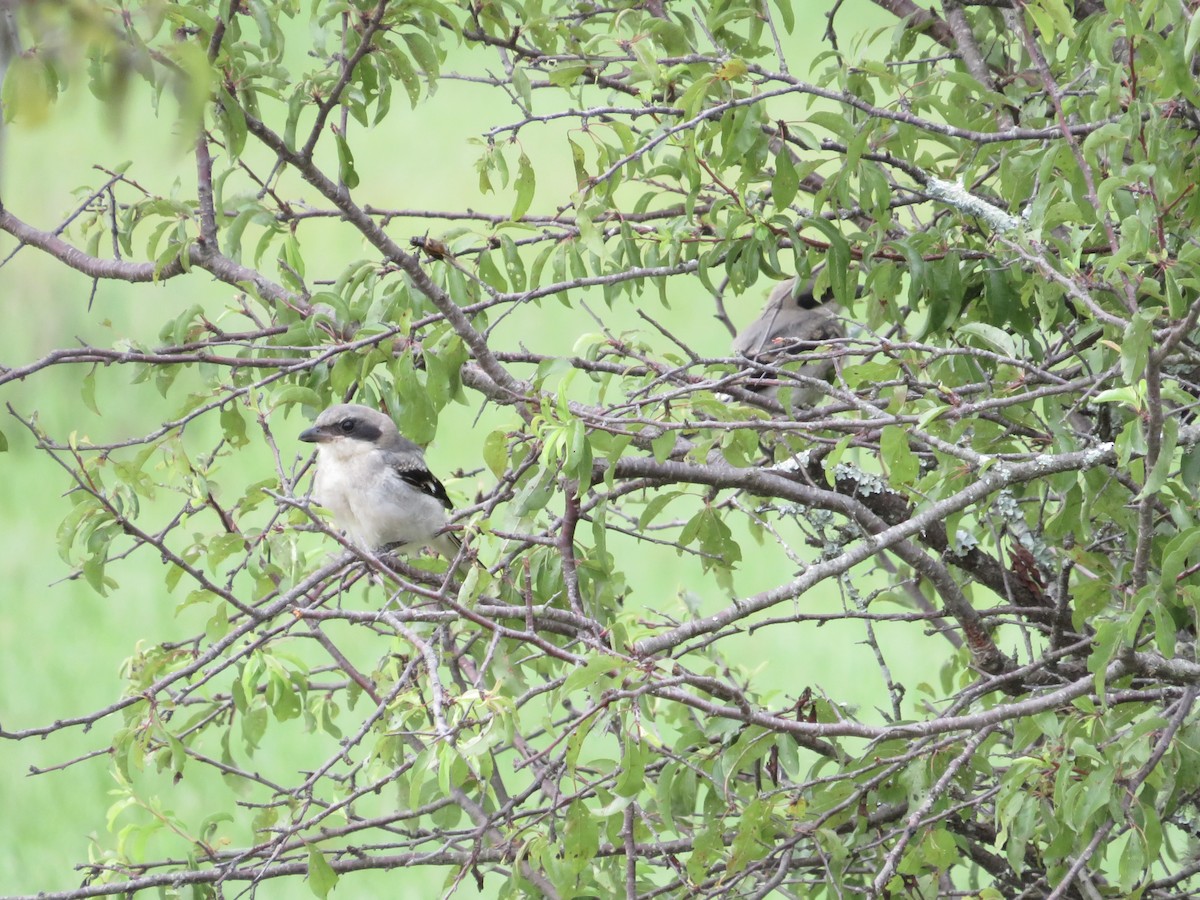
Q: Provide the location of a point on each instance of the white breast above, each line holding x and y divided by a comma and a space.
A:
338, 479
369, 501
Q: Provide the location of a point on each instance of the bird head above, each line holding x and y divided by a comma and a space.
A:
349, 422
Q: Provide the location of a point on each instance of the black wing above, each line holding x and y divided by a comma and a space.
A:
425, 482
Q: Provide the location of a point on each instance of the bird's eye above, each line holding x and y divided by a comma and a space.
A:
347, 425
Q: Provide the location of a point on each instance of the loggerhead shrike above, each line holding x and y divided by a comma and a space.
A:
375, 482
793, 322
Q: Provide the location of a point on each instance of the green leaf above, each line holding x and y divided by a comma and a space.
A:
218, 624
415, 414
1131, 867
234, 425
321, 877
233, 123
663, 445
3, 443
655, 506
693, 98
514, 266
1095, 794
423, 52
990, 336
525, 186
254, 726
202, 20
838, 255
297, 394
1108, 639
786, 181
588, 674
408, 77
1189, 467
346, 172
633, 769
87, 391
901, 463
490, 273
1053, 18
1193, 37
1164, 462
28, 89
521, 84
581, 174
565, 76
707, 846
93, 573
1165, 629
282, 698
1175, 557
578, 463
581, 836
787, 14
495, 452
1135, 348
536, 493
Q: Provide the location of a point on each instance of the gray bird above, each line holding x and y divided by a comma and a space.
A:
375, 482
793, 323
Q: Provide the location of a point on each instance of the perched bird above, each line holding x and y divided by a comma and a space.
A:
375, 482
793, 323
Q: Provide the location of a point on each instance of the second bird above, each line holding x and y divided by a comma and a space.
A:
793, 323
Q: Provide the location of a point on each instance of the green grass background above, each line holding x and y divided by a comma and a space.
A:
61, 644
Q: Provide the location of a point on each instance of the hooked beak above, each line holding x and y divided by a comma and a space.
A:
314, 436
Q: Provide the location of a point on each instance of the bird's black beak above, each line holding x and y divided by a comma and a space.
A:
314, 436
806, 300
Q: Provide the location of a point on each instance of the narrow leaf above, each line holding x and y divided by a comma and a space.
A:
786, 180
346, 171
321, 877
525, 185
